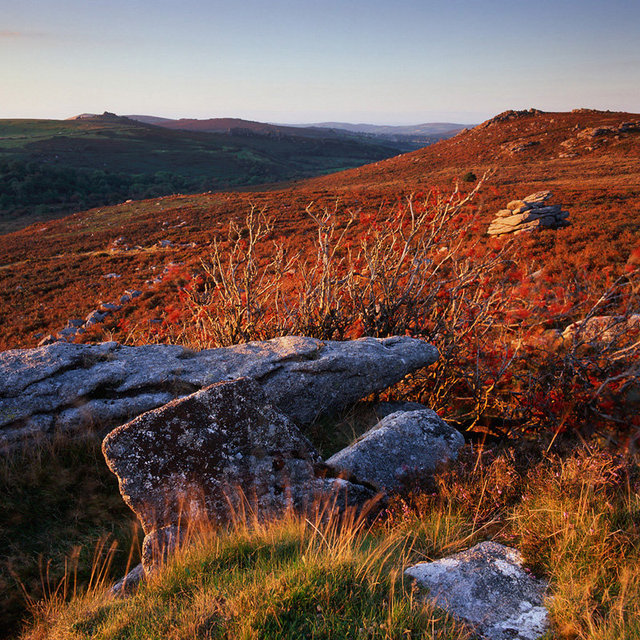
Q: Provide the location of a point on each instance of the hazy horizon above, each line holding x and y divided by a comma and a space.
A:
298, 62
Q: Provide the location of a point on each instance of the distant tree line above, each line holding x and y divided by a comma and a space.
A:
38, 189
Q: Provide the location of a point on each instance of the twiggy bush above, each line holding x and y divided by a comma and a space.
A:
423, 268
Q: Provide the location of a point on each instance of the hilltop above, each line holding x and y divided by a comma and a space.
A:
521, 145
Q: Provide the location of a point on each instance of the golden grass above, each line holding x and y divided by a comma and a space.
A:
576, 518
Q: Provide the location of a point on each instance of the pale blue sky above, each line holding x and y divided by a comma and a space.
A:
401, 61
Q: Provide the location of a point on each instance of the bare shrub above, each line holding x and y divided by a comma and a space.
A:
422, 267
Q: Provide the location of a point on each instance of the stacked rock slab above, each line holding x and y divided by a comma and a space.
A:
219, 454
529, 214
74, 387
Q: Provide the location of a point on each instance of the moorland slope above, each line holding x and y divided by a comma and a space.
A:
62, 269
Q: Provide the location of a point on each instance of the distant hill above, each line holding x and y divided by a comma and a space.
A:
427, 128
402, 138
528, 145
235, 125
49, 168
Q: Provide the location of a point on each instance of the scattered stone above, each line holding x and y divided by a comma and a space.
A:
488, 588
402, 447
95, 317
68, 332
528, 214
76, 387
129, 583
520, 146
75, 322
109, 276
48, 339
109, 307
602, 328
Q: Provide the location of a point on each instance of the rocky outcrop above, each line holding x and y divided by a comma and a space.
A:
403, 447
609, 130
487, 587
217, 455
73, 387
509, 115
528, 214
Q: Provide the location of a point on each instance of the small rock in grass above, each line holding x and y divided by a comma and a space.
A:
488, 588
402, 447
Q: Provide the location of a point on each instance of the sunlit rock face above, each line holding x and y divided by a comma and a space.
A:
74, 387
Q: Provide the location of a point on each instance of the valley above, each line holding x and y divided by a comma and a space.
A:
49, 168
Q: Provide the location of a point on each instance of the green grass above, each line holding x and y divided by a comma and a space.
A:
289, 579
574, 514
49, 168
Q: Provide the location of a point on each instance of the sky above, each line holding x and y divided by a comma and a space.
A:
303, 61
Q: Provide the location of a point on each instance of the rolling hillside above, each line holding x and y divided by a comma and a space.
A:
49, 168
590, 160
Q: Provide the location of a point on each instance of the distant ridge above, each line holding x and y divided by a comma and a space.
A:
427, 128
229, 125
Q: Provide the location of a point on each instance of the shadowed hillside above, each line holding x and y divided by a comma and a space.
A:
49, 168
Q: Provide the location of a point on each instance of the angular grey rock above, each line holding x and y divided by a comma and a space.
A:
212, 454
129, 583
108, 307
220, 454
48, 339
68, 332
401, 447
487, 587
95, 317
79, 386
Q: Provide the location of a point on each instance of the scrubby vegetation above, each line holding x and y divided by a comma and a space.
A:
574, 512
539, 367
507, 363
